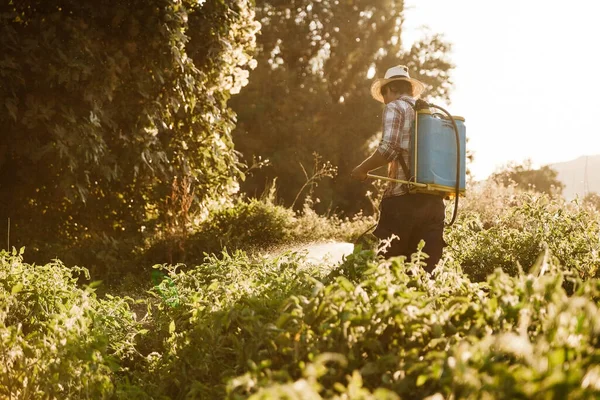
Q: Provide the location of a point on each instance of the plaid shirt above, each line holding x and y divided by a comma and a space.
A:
398, 117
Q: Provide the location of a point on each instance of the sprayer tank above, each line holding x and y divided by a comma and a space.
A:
434, 153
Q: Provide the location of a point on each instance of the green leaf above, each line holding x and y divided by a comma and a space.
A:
17, 288
557, 357
172, 327
345, 284
94, 284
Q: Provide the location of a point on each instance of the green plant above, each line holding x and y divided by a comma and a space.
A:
514, 233
58, 340
256, 325
256, 226
217, 328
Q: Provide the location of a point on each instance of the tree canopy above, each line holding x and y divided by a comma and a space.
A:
112, 108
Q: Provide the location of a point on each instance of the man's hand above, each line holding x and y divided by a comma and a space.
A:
359, 173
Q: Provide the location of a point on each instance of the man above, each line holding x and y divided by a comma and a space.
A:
411, 217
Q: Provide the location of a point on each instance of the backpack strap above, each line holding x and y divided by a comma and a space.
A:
419, 105
404, 166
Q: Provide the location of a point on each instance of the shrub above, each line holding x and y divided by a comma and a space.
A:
311, 226
255, 226
216, 327
249, 224
245, 225
58, 340
514, 231
488, 200
510, 337
251, 326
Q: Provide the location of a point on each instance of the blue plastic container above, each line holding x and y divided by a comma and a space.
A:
433, 158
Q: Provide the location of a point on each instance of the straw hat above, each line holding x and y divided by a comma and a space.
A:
397, 73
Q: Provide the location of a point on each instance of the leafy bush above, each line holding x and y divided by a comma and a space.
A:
373, 329
215, 326
143, 89
58, 340
249, 224
311, 226
254, 225
511, 337
250, 326
514, 232
488, 200
245, 225
376, 326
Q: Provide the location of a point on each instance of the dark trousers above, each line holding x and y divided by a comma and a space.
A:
413, 217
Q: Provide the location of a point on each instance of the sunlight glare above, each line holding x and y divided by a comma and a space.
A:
371, 72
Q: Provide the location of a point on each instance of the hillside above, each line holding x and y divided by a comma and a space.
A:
572, 174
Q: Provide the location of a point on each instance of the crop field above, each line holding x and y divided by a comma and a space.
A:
510, 312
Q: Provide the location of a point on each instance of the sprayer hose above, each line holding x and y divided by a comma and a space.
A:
457, 187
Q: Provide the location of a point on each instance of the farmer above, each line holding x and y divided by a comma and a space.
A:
411, 217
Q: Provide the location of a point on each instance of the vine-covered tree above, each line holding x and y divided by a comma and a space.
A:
114, 113
310, 91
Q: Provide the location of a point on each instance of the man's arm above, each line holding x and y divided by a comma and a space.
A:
374, 161
388, 148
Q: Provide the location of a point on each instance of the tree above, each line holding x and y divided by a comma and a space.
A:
109, 106
543, 180
310, 91
592, 199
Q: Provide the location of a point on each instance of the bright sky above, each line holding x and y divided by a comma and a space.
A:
527, 76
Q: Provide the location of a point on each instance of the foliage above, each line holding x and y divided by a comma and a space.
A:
517, 226
58, 340
214, 332
512, 337
254, 226
312, 227
106, 105
310, 91
390, 332
247, 225
252, 326
542, 180
488, 200
592, 200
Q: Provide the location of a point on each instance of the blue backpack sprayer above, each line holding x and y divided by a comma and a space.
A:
437, 155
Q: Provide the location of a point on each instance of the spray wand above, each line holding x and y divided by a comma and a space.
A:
385, 178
